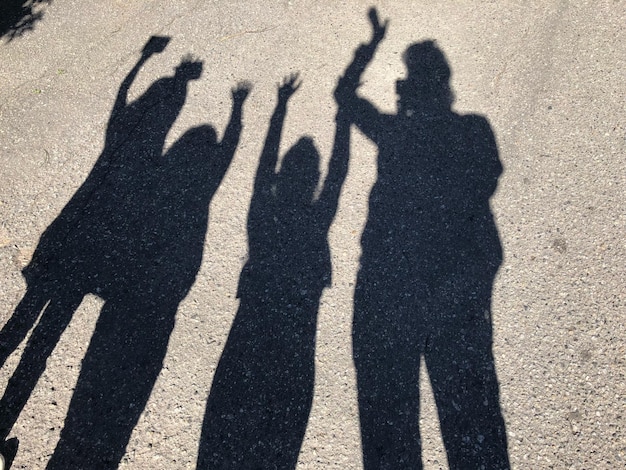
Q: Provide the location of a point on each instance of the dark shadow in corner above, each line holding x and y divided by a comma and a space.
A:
133, 234
20, 16
261, 396
430, 254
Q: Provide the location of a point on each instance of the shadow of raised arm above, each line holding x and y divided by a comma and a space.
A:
360, 111
269, 156
232, 134
154, 45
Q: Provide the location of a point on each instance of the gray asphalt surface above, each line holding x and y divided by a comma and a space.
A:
549, 77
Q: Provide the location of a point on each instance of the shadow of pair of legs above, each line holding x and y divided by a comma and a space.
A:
122, 363
391, 337
58, 307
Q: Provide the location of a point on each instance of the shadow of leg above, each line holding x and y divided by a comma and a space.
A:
122, 363
387, 360
42, 342
22, 320
462, 373
262, 392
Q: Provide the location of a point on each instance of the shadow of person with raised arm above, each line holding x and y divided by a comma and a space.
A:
430, 252
133, 235
261, 396
130, 340
68, 263
43, 274
131, 136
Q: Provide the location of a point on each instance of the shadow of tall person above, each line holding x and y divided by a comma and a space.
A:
133, 234
430, 254
261, 396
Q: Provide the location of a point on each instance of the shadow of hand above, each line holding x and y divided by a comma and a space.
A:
289, 86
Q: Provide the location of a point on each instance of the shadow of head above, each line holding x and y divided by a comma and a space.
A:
194, 149
189, 69
428, 78
200, 135
299, 173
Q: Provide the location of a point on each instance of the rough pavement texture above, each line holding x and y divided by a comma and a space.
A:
549, 77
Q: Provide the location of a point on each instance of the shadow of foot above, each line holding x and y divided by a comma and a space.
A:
8, 451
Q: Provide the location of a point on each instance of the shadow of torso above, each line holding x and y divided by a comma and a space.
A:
429, 214
430, 254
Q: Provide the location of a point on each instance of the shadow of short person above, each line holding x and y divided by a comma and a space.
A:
430, 252
261, 396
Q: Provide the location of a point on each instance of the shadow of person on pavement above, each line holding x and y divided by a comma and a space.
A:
19, 16
133, 234
261, 396
430, 252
